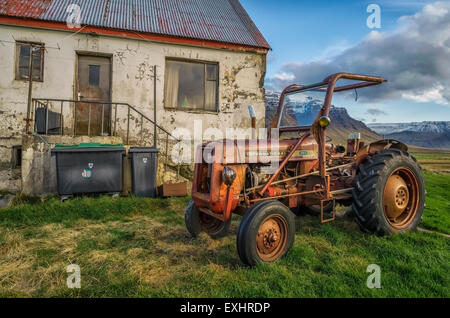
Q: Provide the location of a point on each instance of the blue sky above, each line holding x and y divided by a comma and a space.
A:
308, 35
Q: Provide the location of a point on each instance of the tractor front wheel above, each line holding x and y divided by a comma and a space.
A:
196, 222
389, 193
266, 233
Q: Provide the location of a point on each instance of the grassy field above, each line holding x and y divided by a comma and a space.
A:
437, 162
139, 248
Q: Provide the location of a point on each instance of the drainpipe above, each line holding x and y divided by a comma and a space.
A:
154, 106
30, 89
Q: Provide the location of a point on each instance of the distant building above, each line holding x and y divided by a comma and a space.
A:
210, 65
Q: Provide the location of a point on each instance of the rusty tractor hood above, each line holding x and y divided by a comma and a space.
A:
254, 150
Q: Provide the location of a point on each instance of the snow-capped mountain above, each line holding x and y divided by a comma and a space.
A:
424, 126
306, 110
430, 134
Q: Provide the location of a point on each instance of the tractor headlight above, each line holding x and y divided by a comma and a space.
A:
228, 175
324, 121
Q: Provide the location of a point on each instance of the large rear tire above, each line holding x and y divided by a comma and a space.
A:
389, 193
266, 233
196, 222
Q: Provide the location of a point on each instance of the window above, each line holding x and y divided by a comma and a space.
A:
191, 85
23, 61
94, 75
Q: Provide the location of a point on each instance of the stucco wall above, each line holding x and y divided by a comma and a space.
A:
241, 79
10, 176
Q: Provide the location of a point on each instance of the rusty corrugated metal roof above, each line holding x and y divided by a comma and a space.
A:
214, 20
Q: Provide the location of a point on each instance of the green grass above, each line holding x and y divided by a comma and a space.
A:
133, 247
432, 156
436, 162
436, 168
437, 212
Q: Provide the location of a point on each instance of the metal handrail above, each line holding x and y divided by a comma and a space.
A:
45, 103
47, 100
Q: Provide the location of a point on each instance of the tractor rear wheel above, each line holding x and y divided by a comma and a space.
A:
196, 222
266, 233
389, 193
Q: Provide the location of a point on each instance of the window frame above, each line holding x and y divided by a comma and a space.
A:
205, 65
19, 44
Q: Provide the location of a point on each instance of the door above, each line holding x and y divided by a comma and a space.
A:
93, 84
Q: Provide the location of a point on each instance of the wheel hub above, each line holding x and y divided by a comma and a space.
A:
396, 196
271, 238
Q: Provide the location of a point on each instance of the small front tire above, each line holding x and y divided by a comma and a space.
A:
191, 219
266, 233
197, 221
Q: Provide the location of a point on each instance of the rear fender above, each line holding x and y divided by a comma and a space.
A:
377, 146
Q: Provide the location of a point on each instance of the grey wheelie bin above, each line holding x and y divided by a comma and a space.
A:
144, 165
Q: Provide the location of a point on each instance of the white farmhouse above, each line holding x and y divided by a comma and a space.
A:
100, 69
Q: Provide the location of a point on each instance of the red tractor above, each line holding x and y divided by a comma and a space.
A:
382, 182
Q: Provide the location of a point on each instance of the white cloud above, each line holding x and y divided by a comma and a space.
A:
434, 94
414, 58
284, 76
333, 50
435, 11
376, 112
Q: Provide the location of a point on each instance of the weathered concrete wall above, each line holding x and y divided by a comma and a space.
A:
10, 176
39, 166
241, 79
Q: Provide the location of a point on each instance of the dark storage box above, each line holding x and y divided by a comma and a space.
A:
54, 121
89, 168
144, 166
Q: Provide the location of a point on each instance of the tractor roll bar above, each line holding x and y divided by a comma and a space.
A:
330, 82
366, 80
319, 132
